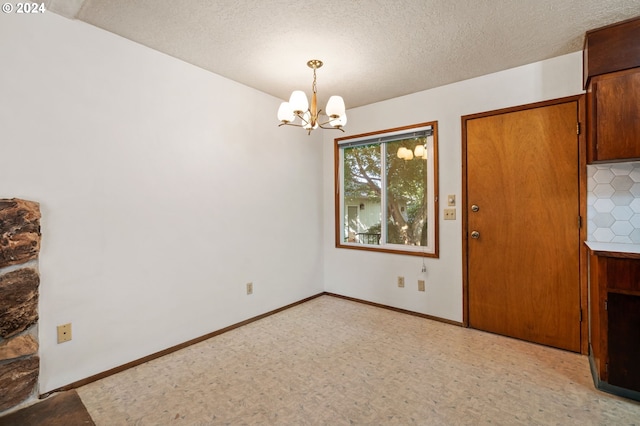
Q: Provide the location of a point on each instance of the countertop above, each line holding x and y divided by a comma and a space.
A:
614, 248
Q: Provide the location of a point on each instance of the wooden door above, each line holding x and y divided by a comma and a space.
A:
523, 268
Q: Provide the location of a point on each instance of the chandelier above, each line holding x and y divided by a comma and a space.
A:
334, 117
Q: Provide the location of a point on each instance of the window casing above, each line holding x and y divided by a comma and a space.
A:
384, 202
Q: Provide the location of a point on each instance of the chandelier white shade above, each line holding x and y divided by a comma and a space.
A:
420, 151
309, 116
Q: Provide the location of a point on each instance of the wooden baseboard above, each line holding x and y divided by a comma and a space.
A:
403, 311
183, 345
167, 351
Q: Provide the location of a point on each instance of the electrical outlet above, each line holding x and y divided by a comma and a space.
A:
249, 288
400, 281
451, 200
64, 333
449, 214
420, 285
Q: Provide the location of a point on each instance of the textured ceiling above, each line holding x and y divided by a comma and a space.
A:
372, 49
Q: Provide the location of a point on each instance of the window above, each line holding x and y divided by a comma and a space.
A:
387, 190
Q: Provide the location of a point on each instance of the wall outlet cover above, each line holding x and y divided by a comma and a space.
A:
64, 333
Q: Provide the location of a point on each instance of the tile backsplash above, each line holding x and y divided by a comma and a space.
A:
613, 203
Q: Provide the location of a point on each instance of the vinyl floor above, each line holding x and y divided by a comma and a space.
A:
331, 361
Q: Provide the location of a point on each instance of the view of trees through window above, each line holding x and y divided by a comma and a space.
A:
385, 192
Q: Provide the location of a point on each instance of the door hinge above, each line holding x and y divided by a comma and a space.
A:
579, 222
577, 128
606, 305
580, 315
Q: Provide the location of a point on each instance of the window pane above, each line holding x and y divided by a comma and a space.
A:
362, 194
406, 200
387, 190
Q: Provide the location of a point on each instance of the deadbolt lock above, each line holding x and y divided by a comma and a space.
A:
475, 208
475, 234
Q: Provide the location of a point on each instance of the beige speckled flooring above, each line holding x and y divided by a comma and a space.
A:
331, 361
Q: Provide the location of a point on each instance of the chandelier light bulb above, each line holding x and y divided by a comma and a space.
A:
299, 102
419, 151
285, 113
335, 107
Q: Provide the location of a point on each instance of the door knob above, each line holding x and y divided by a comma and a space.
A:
475, 234
475, 208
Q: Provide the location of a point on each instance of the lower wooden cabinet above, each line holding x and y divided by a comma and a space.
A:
623, 335
614, 314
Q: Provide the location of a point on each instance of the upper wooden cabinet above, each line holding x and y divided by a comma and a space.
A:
612, 79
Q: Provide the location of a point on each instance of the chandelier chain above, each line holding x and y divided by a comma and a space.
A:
314, 81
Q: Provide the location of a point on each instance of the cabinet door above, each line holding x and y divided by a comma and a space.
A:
615, 116
624, 340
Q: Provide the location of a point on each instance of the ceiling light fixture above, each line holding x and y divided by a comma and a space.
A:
298, 107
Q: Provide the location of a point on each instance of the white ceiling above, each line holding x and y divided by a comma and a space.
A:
372, 49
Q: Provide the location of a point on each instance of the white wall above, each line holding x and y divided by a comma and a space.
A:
164, 189
372, 276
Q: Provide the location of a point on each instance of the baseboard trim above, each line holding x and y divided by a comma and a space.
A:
391, 308
188, 343
175, 348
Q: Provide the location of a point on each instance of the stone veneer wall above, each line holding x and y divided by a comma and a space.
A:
613, 203
19, 281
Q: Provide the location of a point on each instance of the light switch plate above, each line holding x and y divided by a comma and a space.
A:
451, 199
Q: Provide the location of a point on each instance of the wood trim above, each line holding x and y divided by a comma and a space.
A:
611, 48
618, 254
175, 348
582, 177
436, 186
603, 320
591, 120
584, 250
391, 308
521, 107
378, 132
188, 343
464, 222
337, 197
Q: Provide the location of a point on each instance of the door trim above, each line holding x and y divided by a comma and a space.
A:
582, 197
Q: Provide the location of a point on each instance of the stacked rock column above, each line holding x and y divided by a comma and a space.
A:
19, 281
